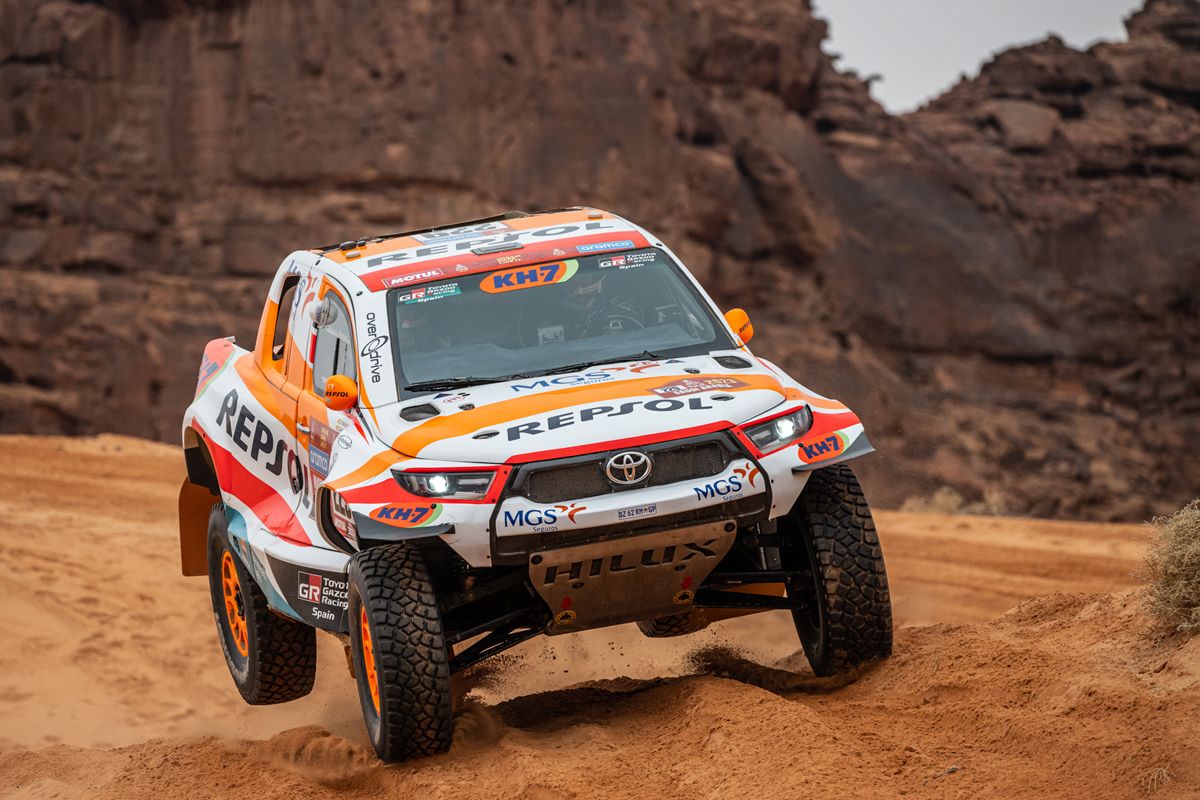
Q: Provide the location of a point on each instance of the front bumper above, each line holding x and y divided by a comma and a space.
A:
739, 494
514, 549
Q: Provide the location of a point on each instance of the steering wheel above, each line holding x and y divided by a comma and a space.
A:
622, 309
627, 304
634, 324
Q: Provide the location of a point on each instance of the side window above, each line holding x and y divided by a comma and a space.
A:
335, 348
286, 299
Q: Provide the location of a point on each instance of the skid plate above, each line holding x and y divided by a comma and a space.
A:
622, 580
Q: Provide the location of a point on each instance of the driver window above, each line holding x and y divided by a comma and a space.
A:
335, 348
283, 315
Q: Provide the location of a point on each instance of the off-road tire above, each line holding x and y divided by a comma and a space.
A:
679, 624
280, 662
412, 663
830, 539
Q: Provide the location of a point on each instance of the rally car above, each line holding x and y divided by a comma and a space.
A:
447, 441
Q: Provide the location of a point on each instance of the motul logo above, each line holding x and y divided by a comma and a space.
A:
400, 280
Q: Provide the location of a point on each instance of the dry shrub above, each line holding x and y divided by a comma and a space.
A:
944, 501
1173, 569
992, 504
947, 501
1156, 779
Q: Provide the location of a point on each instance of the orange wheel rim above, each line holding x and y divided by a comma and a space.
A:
235, 609
369, 658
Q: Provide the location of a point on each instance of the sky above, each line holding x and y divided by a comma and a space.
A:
920, 47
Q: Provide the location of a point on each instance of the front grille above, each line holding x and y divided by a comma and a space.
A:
576, 478
567, 483
686, 463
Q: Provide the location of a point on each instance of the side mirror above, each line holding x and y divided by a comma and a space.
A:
322, 313
739, 320
341, 393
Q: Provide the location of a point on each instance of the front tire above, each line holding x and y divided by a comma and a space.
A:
832, 549
400, 655
272, 659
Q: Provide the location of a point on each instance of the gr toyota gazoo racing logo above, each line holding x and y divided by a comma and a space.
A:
310, 587
322, 591
628, 260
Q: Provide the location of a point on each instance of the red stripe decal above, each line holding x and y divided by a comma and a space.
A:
275, 511
384, 491
828, 423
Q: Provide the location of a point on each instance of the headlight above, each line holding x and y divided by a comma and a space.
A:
471, 485
781, 431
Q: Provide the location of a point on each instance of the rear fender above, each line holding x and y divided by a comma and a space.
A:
199, 493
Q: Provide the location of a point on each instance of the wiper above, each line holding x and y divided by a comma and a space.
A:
645, 355
449, 383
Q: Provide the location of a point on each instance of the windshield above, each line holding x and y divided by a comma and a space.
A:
522, 321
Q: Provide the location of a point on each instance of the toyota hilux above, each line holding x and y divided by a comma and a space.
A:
445, 442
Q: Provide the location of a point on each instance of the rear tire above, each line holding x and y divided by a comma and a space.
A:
680, 624
400, 654
272, 659
831, 546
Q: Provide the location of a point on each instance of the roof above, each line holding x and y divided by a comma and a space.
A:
506, 240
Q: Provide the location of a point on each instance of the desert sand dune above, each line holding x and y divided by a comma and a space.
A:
1023, 668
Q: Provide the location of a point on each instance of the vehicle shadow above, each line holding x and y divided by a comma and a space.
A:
561, 708
725, 662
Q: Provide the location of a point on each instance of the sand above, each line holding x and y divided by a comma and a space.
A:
1024, 667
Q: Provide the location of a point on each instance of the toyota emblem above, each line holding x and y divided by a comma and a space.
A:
628, 468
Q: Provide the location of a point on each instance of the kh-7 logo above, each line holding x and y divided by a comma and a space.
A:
825, 447
509, 280
407, 515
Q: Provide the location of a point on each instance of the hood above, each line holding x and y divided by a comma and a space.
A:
557, 416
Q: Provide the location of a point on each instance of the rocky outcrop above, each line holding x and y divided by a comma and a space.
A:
1004, 282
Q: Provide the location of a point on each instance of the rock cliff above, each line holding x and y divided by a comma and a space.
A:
1005, 283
